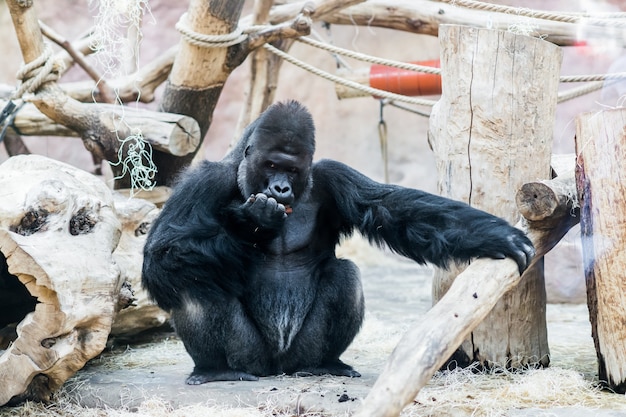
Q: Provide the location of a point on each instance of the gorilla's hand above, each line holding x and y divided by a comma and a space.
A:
265, 211
518, 247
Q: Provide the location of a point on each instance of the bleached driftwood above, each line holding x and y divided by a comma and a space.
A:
58, 231
427, 345
600, 175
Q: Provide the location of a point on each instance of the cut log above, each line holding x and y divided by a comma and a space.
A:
103, 125
498, 103
427, 345
601, 182
58, 231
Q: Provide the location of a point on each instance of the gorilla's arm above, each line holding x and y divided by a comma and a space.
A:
416, 224
189, 249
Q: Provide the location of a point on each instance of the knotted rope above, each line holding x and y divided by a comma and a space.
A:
36, 73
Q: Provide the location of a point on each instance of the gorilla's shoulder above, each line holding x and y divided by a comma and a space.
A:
331, 172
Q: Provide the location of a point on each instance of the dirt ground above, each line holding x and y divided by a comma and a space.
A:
147, 379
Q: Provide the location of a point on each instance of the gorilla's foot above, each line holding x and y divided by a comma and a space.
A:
202, 376
336, 367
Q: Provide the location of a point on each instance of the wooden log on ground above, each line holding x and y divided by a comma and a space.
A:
427, 345
496, 110
58, 231
601, 182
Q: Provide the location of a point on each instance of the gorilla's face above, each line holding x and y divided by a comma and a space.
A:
281, 172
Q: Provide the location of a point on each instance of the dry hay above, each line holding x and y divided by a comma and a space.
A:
568, 383
397, 296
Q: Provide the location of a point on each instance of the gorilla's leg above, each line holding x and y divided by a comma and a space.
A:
222, 342
333, 322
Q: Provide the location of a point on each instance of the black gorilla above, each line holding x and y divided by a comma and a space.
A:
243, 253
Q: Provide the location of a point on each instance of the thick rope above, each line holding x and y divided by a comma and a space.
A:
368, 58
433, 70
579, 91
33, 75
540, 14
589, 78
209, 41
352, 84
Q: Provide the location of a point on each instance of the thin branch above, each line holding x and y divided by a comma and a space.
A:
106, 94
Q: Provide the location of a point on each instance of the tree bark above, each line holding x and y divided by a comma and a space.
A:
198, 76
600, 177
497, 105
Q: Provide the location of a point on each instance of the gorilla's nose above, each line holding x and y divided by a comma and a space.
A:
282, 193
279, 191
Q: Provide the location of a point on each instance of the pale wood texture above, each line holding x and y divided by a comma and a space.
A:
426, 346
491, 132
102, 125
58, 231
136, 216
601, 179
426, 17
138, 86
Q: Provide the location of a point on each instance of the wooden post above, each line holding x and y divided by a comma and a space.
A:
491, 132
600, 178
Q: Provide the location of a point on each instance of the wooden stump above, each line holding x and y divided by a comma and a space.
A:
600, 178
58, 230
491, 132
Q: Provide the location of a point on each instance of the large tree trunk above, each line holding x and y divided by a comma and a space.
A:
496, 110
601, 181
198, 76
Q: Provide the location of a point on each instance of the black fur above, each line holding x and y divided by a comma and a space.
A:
255, 289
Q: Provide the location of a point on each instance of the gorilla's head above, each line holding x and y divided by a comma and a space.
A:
278, 154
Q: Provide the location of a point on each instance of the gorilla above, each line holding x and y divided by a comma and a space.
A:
243, 252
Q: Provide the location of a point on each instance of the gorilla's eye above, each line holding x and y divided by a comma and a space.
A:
293, 170
270, 165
